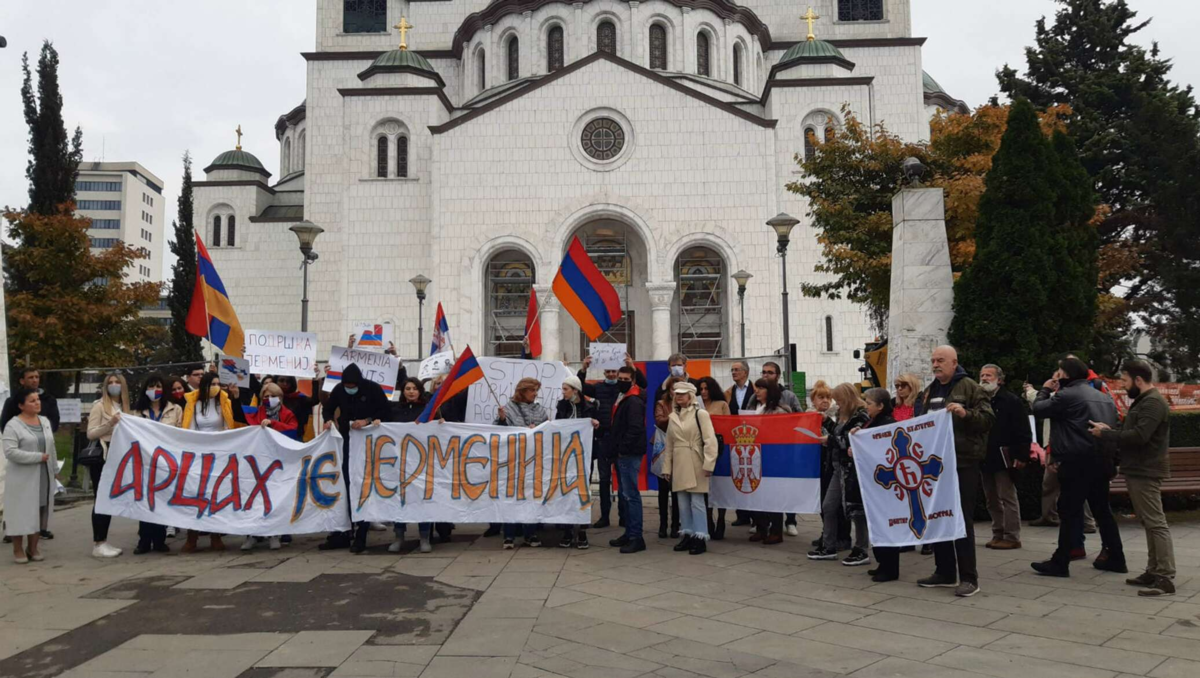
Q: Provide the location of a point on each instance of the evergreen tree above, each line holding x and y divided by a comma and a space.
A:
1076, 267
185, 346
1005, 304
53, 164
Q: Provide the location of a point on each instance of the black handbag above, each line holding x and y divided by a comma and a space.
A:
91, 455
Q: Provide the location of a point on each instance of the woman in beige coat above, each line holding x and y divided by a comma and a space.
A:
103, 419
689, 458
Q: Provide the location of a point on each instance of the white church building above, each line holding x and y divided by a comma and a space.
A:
662, 133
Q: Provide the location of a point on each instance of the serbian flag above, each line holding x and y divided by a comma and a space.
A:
768, 463
533, 328
466, 371
371, 338
586, 294
441, 333
211, 313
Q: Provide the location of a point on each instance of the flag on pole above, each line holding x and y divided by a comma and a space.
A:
466, 371
586, 294
441, 333
211, 313
533, 328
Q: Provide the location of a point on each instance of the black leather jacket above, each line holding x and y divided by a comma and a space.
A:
1071, 409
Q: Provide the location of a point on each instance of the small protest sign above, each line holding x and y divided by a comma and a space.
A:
607, 356
438, 363
503, 374
373, 336
70, 410
380, 368
233, 370
281, 353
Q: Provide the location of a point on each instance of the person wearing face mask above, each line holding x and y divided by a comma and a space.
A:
152, 404
207, 409
605, 393
677, 363
353, 404
102, 420
271, 414
1008, 447
628, 444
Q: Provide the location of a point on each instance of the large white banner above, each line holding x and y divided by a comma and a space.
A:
909, 481
465, 473
291, 354
503, 374
245, 481
380, 368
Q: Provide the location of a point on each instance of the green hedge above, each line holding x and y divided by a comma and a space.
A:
1185, 429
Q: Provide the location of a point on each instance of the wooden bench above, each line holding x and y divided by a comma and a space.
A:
1185, 473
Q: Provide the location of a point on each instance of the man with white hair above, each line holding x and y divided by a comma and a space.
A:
1008, 447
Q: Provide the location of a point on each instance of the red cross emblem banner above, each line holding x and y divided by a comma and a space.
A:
768, 463
909, 480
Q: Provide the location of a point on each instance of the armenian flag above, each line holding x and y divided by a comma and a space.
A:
586, 294
211, 314
371, 338
533, 328
466, 371
441, 333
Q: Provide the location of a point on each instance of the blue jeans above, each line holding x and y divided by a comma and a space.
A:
693, 519
527, 530
630, 498
422, 528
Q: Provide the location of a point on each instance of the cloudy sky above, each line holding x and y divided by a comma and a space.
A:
149, 79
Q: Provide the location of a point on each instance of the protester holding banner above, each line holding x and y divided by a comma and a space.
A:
153, 405
908, 387
952, 390
354, 403
689, 458
822, 402
880, 409
574, 405
104, 417
851, 414
271, 413
523, 411
770, 372
605, 393
662, 418
31, 465
207, 409
768, 527
174, 390
627, 442
410, 405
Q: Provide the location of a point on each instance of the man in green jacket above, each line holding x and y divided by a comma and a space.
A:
952, 390
1141, 446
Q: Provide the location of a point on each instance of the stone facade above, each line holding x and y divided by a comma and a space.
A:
499, 170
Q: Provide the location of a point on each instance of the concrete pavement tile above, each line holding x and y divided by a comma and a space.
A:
209, 664
684, 603
556, 618
534, 565
480, 583
419, 655
620, 590
507, 608
539, 593
355, 669
1104, 601
1004, 665
804, 652
316, 648
1089, 634
787, 670
594, 656
768, 620
735, 577
1181, 611
619, 612
527, 671
1177, 668
122, 659
672, 672
833, 594
702, 630
885, 642
63, 614
487, 567
179, 643
1182, 648
15, 640
560, 596
1185, 628
941, 611
568, 578
89, 673
483, 637
422, 567
612, 637
733, 593
1081, 654
221, 578
634, 575
920, 627
1007, 587
1009, 604
895, 667
562, 666
508, 579
457, 667
807, 607
770, 569
1125, 620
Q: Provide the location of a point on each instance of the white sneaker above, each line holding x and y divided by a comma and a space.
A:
792, 531
248, 544
378, 527
104, 550
395, 546
426, 547
170, 533
273, 543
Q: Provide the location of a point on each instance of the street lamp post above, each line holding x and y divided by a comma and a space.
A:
783, 224
741, 278
306, 232
420, 282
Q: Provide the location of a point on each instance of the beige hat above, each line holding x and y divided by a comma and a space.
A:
684, 387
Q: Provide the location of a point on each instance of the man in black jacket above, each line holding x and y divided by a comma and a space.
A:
355, 403
627, 442
1084, 469
605, 393
31, 378
1007, 453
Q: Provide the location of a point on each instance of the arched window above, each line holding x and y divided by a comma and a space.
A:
829, 132
829, 334
606, 37
381, 157
737, 65
658, 47
301, 142
510, 275
514, 58
287, 158
700, 276
216, 234
702, 54
810, 144
481, 64
860, 10
402, 156
554, 49
231, 231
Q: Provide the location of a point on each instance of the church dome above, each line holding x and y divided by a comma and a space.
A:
402, 58
812, 49
931, 85
238, 160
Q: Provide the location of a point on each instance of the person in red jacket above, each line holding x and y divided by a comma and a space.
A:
271, 414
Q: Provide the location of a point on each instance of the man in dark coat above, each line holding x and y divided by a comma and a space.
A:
1008, 449
32, 379
627, 442
353, 404
605, 393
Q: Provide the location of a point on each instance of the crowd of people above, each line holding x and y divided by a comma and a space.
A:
1086, 437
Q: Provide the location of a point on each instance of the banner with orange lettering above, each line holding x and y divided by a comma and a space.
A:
472, 473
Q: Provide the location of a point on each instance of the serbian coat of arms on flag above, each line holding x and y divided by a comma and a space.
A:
909, 481
769, 463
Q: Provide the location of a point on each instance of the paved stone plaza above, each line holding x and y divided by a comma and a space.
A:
472, 609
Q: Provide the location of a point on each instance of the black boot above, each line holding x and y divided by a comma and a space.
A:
684, 544
698, 546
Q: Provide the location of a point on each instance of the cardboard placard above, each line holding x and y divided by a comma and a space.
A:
374, 336
293, 354
380, 368
503, 375
233, 370
70, 410
607, 356
436, 364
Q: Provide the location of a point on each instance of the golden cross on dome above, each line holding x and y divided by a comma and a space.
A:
811, 17
239, 133
404, 27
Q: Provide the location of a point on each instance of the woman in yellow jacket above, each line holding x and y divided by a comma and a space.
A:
208, 408
689, 458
